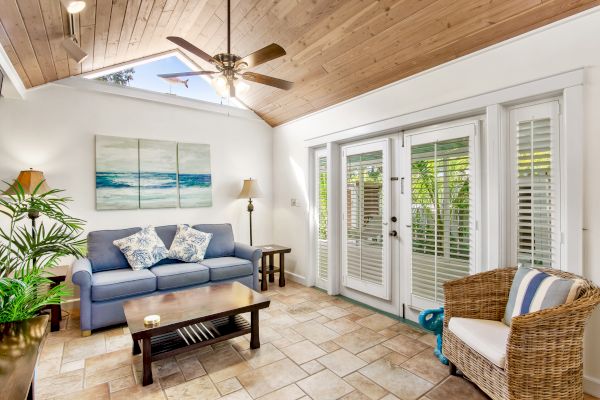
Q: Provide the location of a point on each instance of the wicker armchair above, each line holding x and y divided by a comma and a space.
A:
544, 355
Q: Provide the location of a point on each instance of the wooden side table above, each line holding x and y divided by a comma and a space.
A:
268, 254
59, 275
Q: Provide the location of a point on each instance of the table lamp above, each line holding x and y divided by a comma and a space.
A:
250, 191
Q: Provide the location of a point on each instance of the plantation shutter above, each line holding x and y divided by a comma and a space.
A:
442, 212
536, 184
322, 244
366, 241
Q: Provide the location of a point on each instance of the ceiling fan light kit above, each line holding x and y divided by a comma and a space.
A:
73, 6
70, 43
230, 75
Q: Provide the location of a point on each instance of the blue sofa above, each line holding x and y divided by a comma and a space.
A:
106, 280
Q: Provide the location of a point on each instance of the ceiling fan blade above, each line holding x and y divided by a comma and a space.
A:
268, 80
261, 56
192, 73
192, 49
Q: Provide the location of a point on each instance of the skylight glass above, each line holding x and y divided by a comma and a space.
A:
144, 76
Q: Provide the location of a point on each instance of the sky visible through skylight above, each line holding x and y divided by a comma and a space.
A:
145, 77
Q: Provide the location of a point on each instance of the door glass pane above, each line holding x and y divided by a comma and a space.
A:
322, 247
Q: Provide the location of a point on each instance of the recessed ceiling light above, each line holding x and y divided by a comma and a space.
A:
74, 6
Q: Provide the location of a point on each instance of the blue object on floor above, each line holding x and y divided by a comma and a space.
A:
433, 320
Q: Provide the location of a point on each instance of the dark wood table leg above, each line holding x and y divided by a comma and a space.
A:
271, 266
136, 347
254, 334
55, 317
147, 362
281, 270
263, 284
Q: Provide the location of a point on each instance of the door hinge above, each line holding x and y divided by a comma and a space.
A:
402, 133
394, 178
402, 185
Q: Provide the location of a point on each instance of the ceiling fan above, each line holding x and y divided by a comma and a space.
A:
231, 68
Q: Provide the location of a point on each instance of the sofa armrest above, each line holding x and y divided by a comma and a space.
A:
481, 296
82, 276
252, 254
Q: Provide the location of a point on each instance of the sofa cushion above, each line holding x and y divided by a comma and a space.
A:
108, 285
533, 290
173, 276
143, 249
189, 244
488, 338
166, 233
221, 244
102, 253
228, 267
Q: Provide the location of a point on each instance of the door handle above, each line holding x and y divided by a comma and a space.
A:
394, 233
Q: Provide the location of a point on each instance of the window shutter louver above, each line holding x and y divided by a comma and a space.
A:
322, 245
442, 217
536, 185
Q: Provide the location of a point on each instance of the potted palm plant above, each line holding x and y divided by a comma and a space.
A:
27, 256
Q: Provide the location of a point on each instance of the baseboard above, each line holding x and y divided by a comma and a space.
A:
295, 278
591, 386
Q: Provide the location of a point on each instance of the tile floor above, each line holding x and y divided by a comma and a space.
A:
313, 346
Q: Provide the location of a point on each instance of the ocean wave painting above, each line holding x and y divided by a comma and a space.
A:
117, 173
195, 179
158, 174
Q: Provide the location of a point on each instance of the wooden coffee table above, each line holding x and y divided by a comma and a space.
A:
191, 319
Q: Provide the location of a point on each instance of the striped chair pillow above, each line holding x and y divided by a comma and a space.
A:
533, 290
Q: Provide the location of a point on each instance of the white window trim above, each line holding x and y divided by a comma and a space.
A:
319, 282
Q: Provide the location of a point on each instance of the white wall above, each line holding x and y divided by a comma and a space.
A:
53, 130
563, 46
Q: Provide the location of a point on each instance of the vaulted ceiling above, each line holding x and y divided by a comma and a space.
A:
336, 49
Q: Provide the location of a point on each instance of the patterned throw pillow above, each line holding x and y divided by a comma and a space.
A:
142, 249
533, 290
189, 244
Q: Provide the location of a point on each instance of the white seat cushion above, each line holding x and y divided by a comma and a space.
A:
488, 338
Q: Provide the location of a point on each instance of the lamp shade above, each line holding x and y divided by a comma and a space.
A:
250, 190
29, 181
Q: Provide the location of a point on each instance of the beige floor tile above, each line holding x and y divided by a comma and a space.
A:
48, 367
330, 346
223, 363
307, 307
165, 367
72, 366
264, 355
199, 388
366, 386
59, 384
52, 351
312, 367
358, 310
239, 395
278, 320
108, 361
359, 340
336, 301
117, 342
291, 392
325, 385
228, 386
315, 332
139, 392
271, 377
397, 380
268, 334
191, 367
105, 376
405, 345
427, 366
395, 358
171, 380
456, 388
374, 353
84, 347
342, 362
333, 312
376, 322
408, 330
390, 396
99, 392
429, 339
356, 395
302, 352
342, 325
121, 383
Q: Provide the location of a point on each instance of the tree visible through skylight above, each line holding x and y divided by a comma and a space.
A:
144, 76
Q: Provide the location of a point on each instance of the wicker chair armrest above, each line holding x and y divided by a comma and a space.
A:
481, 296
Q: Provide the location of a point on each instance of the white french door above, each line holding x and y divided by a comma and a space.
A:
441, 176
321, 219
365, 195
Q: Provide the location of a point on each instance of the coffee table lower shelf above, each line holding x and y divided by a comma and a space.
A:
191, 337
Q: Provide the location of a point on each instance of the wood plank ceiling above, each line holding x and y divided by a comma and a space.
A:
337, 49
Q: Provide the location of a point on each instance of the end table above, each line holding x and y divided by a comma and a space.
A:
268, 252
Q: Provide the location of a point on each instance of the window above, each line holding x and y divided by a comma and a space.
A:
143, 75
442, 210
366, 199
321, 217
535, 184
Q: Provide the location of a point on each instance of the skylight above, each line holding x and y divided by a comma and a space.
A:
144, 76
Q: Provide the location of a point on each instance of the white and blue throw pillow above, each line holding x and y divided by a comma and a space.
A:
142, 249
189, 244
533, 290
